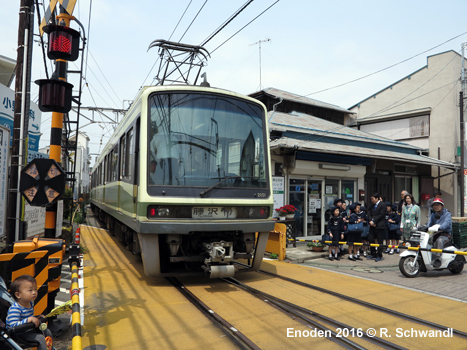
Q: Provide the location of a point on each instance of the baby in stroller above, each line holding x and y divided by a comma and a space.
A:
20, 315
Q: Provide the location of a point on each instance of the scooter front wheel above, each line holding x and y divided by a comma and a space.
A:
409, 266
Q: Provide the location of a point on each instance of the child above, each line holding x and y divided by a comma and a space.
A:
24, 291
356, 237
336, 231
386, 234
344, 213
366, 229
394, 221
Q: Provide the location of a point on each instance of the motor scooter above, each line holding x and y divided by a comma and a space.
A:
412, 262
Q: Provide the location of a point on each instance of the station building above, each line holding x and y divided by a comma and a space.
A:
316, 159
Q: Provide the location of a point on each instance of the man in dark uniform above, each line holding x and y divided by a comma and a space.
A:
377, 226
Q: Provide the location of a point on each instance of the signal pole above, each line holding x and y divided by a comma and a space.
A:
55, 153
21, 118
462, 135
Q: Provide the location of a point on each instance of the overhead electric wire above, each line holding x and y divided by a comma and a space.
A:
391, 106
230, 19
98, 67
170, 37
432, 109
42, 40
246, 25
386, 68
181, 17
193, 20
89, 36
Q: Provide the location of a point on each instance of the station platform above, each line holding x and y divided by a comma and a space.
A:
123, 308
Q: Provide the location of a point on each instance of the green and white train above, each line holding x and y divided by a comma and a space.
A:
185, 181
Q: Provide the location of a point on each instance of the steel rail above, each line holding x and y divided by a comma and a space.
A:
301, 312
237, 337
369, 305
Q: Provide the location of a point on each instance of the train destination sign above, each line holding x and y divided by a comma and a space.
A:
214, 213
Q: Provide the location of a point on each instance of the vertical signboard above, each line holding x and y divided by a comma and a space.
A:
278, 186
7, 107
4, 156
59, 222
35, 220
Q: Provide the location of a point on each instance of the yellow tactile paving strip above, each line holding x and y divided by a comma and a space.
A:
124, 309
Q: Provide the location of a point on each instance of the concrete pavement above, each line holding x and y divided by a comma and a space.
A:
302, 254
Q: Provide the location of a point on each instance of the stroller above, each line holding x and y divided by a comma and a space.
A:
8, 337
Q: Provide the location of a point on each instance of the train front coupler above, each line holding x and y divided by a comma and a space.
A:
221, 254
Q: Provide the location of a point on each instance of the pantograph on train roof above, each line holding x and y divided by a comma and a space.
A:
179, 62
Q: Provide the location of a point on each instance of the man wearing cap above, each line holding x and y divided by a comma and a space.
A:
440, 222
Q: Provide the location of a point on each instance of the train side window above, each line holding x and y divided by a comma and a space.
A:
106, 173
123, 158
114, 164
129, 154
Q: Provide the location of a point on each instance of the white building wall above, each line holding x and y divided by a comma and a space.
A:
434, 88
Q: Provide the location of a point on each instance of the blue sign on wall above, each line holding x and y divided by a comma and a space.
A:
7, 107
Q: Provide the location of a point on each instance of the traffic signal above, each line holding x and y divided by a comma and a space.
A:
42, 182
54, 95
63, 43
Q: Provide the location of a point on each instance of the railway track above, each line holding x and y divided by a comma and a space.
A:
242, 341
337, 332
317, 321
371, 306
347, 335
237, 337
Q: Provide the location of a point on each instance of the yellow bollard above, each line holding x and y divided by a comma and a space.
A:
277, 241
76, 315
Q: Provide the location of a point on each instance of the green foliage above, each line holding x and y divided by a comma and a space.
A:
67, 234
67, 203
273, 256
79, 219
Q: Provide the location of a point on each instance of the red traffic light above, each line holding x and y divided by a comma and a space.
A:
63, 43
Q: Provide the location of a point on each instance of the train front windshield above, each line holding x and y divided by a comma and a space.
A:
204, 140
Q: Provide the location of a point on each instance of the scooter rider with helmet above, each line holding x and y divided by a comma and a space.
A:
441, 225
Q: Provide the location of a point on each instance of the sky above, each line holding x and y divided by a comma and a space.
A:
330, 51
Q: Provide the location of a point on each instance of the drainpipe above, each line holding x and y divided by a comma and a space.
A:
274, 108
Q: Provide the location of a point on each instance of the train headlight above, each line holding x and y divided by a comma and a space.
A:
158, 212
163, 212
258, 212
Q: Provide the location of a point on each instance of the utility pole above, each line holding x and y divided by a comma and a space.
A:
462, 133
259, 44
462, 136
21, 119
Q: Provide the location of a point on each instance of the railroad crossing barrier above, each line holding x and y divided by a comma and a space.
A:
74, 261
277, 241
48, 269
458, 252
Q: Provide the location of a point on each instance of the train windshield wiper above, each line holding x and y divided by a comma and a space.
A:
202, 193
